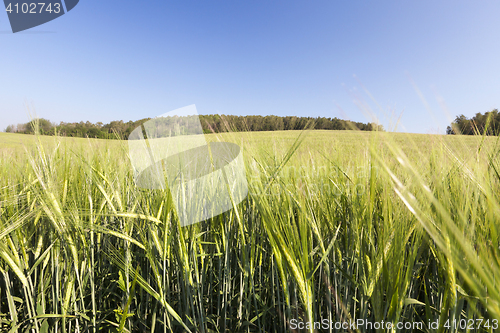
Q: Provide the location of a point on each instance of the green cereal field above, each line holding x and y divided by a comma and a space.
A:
341, 231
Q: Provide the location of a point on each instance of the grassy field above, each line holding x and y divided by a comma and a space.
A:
338, 227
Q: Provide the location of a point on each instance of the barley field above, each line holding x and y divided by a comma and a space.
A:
338, 227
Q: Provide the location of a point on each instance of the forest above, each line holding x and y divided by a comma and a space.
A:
210, 124
483, 124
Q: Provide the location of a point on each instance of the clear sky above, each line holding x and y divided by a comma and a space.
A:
127, 60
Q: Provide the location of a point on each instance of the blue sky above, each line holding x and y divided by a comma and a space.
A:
112, 60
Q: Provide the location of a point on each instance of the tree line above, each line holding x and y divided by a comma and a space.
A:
482, 124
210, 124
